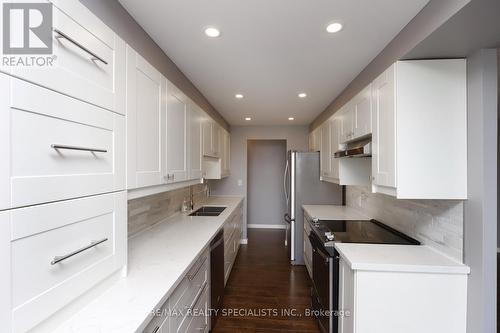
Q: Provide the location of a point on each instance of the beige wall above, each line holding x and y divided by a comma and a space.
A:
117, 18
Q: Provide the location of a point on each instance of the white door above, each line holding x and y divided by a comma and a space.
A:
175, 158
363, 113
195, 141
145, 104
334, 146
325, 149
384, 130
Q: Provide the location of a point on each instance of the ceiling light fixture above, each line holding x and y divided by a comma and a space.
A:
291, 118
212, 32
334, 27
248, 118
302, 95
238, 96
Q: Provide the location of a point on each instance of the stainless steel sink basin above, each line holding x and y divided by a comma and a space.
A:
208, 211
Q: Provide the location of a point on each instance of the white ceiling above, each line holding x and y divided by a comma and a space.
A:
270, 50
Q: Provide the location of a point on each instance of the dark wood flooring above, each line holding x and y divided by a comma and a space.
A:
262, 285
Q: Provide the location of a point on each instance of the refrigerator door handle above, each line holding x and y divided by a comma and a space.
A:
284, 182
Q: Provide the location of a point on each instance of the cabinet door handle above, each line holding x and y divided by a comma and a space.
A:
157, 328
58, 259
61, 34
66, 147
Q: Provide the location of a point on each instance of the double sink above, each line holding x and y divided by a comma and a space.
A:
208, 211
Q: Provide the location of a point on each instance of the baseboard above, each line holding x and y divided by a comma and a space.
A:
266, 226
244, 241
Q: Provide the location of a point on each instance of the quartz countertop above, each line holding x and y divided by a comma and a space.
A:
333, 212
398, 258
158, 259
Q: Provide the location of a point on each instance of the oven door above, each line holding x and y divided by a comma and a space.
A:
325, 286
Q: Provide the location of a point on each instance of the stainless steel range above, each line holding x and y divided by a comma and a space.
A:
324, 234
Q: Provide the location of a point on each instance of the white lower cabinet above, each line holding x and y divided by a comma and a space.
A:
372, 301
187, 308
57, 149
307, 246
60, 250
232, 236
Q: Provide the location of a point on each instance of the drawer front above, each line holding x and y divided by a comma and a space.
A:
84, 63
197, 319
71, 147
186, 294
45, 243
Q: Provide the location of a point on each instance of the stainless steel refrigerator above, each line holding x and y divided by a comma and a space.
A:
302, 186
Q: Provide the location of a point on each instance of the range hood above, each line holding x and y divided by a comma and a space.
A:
356, 149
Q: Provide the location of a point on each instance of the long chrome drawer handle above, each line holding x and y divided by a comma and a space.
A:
74, 42
58, 259
200, 292
192, 276
93, 150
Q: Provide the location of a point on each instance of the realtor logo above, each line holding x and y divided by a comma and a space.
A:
27, 28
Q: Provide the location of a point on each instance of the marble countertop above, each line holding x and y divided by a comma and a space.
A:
332, 212
398, 258
158, 258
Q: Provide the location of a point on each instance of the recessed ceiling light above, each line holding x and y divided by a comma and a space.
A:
238, 96
212, 32
248, 118
302, 95
334, 27
291, 118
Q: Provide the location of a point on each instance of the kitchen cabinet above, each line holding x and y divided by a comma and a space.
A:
188, 304
195, 143
420, 130
325, 153
346, 116
405, 299
89, 59
356, 117
330, 140
73, 148
315, 140
225, 152
69, 246
363, 113
211, 134
175, 166
146, 97
232, 236
307, 245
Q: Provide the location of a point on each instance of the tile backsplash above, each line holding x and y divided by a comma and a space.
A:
147, 211
437, 223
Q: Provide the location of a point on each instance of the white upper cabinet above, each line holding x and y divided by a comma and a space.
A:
346, 116
334, 146
225, 152
196, 118
146, 89
175, 157
363, 113
315, 140
384, 130
88, 61
420, 130
211, 147
325, 154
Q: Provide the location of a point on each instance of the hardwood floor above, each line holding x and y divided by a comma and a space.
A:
262, 285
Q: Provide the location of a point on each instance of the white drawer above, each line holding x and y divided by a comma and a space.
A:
75, 71
43, 281
186, 293
38, 119
197, 319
